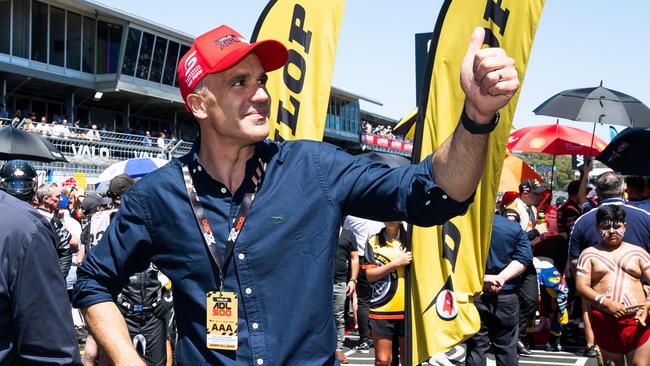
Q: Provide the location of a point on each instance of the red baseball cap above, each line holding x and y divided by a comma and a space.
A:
219, 50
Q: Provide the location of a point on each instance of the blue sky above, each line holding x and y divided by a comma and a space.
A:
578, 43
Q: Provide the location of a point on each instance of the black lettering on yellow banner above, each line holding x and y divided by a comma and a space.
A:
299, 93
454, 255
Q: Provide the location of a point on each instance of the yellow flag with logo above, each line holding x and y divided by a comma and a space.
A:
449, 260
300, 91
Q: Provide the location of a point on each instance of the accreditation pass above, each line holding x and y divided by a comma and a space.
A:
221, 320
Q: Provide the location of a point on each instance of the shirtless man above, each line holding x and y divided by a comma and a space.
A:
609, 276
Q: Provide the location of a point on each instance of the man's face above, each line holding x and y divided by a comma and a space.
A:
611, 233
531, 198
51, 201
237, 103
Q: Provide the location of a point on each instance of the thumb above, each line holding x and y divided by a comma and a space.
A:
476, 40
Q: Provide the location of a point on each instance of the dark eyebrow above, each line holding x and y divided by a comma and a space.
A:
238, 77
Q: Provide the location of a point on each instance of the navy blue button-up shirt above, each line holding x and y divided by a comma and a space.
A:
283, 260
35, 320
585, 234
508, 243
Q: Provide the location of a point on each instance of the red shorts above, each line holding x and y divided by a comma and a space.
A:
618, 335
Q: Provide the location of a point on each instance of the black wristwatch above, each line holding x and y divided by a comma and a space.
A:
476, 128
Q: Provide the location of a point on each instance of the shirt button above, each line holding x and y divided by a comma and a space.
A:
427, 203
255, 325
444, 196
199, 168
248, 291
241, 256
223, 190
260, 361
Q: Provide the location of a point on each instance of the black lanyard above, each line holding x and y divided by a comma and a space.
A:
204, 225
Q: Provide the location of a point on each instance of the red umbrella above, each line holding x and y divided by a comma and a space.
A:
555, 139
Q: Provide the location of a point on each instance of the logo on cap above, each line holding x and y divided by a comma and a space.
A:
227, 40
191, 60
195, 70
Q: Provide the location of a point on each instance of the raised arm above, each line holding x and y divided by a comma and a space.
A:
489, 79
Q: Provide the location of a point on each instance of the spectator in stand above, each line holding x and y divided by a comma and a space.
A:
18, 116
609, 279
60, 130
43, 127
93, 134
160, 142
28, 124
147, 139
3, 112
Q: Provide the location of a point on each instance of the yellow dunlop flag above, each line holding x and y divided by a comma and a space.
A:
449, 260
300, 93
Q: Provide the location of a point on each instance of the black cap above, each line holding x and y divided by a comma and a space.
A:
120, 184
532, 185
92, 202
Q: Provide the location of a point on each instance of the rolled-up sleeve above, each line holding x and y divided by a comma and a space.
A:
375, 191
523, 252
124, 249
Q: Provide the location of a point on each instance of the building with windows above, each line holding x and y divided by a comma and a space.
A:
101, 66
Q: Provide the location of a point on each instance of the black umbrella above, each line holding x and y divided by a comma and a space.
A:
628, 152
389, 159
597, 105
18, 144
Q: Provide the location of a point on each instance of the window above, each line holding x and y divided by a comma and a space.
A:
131, 51
171, 63
57, 36
144, 60
109, 37
158, 58
184, 50
88, 31
73, 59
21, 28
39, 31
5, 15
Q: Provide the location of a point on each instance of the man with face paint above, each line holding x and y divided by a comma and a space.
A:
609, 188
609, 278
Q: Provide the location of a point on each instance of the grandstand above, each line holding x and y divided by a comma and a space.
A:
89, 64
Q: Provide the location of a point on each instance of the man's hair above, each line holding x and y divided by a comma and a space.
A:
573, 187
636, 184
46, 189
609, 185
613, 213
201, 87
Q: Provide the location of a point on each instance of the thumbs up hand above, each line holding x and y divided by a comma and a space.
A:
488, 78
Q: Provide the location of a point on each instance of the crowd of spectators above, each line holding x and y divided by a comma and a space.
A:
63, 127
380, 130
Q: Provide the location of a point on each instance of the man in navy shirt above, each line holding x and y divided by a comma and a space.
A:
510, 253
275, 274
609, 187
35, 320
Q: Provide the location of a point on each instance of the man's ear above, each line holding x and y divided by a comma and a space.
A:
197, 106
